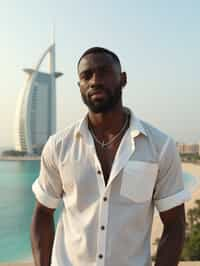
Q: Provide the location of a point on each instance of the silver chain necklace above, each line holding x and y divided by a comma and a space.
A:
104, 144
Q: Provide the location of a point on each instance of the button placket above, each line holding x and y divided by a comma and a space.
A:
99, 175
98, 169
102, 232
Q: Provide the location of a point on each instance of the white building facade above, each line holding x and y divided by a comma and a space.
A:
36, 108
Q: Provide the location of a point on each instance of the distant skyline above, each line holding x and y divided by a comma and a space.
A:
157, 43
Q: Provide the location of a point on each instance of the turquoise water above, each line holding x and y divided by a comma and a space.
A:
16, 207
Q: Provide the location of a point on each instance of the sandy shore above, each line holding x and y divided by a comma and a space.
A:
194, 170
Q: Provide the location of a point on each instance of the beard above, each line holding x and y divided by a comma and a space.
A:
102, 105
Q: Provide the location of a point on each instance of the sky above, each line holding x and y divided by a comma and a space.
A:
157, 42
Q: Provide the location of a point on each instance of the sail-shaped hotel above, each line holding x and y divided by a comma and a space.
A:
36, 108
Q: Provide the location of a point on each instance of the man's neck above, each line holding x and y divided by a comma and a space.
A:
109, 122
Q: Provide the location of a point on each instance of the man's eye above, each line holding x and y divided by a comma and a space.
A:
86, 75
105, 70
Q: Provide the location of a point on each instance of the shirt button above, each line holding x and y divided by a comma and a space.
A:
105, 198
98, 172
102, 227
100, 256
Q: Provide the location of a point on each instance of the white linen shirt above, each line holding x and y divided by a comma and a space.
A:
108, 225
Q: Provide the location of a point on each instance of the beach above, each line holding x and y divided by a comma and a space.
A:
193, 169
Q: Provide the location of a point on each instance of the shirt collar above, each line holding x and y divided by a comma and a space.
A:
82, 127
135, 126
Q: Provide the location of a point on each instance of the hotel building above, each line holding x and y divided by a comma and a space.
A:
36, 108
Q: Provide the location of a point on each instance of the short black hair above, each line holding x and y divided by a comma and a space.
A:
95, 50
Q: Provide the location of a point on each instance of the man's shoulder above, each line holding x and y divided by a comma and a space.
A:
154, 131
65, 136
67, 132
156, 136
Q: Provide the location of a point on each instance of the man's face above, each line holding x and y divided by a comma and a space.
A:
100, 82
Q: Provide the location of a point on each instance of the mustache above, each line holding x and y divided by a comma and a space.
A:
93, 90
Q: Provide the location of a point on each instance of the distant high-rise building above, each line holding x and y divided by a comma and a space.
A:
188, 148
36, 108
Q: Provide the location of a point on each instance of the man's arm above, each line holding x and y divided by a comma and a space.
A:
172, 240
42, 234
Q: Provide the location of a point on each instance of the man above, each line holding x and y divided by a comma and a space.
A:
110, 170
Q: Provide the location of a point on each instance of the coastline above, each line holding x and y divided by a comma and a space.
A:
19, 158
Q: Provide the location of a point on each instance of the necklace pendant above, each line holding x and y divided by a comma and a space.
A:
103, 144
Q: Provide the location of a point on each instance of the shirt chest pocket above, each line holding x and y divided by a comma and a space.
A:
138, 180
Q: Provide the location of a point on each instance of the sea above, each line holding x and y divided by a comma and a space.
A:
16, 207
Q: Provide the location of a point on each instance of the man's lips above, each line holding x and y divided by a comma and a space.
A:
97, 94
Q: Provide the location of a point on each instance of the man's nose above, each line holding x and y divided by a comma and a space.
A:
96, 80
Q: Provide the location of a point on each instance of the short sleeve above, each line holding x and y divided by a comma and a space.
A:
48, 187
169, 190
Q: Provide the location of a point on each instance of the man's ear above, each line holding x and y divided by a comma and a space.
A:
123, 79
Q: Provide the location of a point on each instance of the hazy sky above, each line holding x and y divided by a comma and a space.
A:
157, 41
